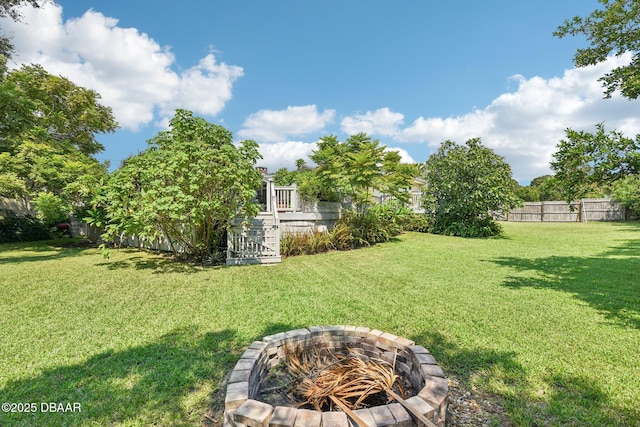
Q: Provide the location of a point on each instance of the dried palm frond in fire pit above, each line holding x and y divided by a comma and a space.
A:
280, 380
347, 380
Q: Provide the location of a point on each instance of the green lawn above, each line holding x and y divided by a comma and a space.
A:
545, 319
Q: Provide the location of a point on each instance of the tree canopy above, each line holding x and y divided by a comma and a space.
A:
48, 128
541, 188
187, 187
627, 192
465, 183
611, 30
586, 160
357, 166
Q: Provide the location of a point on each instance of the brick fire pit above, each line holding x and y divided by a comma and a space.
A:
244, 408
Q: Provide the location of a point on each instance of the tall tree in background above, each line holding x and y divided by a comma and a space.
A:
612, 30
542, 188
48, 128
465, 183
357, 166
546, 188
585, 161
350, 167
397, 178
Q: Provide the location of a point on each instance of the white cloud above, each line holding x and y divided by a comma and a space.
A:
435, 129
278, 125
525, 125
382, 122
130, 70
405, 157
284, 154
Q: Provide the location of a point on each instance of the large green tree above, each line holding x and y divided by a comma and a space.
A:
357, 166
541, 188
613, 29
627, 192
397, 178
351, 167
465, 184
585, 161
186, 187
48, 128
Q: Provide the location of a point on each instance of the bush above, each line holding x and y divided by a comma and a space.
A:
14, 228
627, 192
473, 227
392, 215
187, 187
341, 237
51, 209
376, 225
465, 183
313, 242
419, 222
357, 229
364, 229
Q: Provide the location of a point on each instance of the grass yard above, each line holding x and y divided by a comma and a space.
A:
545, 319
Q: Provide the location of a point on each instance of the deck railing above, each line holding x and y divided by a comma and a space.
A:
260, 241
415, 201
286, 198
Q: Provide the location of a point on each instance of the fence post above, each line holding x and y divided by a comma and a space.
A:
294, 198
583, 214
541, 211
269, 194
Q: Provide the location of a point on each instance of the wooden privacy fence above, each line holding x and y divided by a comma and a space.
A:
583, 211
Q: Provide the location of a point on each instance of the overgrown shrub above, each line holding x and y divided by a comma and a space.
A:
366, 228
376, 225
465, 183
187, 187
393, 215
627, 192
341, 237
472, 227
422, 223
14, 228
313, 242
51, 208
354, 229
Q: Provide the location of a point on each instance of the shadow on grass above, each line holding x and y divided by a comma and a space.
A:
159, 263
154, 384
14, 253
161, 383
608, 282
38, 251
465, 363
497, 377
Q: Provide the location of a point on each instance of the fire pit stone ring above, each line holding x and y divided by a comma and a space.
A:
242, 400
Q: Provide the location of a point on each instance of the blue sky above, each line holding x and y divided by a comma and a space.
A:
411, 74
